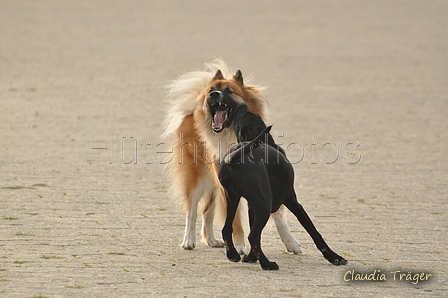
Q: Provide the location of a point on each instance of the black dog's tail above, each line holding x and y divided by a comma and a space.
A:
239, 153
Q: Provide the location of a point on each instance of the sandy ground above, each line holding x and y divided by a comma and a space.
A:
366, 82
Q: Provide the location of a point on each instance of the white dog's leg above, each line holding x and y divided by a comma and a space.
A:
208, 214
190, 230
239, 225
238, 241
190, 224
291, 244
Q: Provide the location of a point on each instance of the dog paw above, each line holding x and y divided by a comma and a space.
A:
333, 257
339, 261
294, 248
240, 249
270, 266
189, 241
216, 243
250, 258
233, 256
188, 245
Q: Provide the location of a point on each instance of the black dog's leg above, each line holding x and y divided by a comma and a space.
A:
306, 222
232, 204
251, 216
250, 258
261, 217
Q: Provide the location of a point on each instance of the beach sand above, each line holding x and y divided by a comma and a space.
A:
358, 96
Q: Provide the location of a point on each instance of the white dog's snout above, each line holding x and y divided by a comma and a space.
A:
215, 94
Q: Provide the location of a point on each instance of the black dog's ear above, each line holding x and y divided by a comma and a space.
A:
241, 109
218, 76
238, 77
267, 129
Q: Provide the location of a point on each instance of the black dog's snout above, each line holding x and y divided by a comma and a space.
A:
215, 95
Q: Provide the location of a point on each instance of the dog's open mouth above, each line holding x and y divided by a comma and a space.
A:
221, 114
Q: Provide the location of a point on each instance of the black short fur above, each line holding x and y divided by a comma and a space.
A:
258, 170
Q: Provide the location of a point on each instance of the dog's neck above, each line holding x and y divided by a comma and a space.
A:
218, 144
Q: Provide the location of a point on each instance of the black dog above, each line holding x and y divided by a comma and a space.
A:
258, 170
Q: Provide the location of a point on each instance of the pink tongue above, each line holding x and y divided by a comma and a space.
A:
219, 119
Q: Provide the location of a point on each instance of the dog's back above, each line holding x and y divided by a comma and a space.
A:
236, 154
264, 164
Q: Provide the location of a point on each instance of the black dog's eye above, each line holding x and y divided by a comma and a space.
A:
228, 90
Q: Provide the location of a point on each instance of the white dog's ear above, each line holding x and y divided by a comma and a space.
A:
218, 76
238, 77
